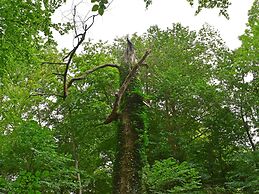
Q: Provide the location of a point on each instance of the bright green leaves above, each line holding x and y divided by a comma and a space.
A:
26, 182
62, 28
239, 74
191, 114
169, 176
250, 42
100, 6
21, 25
29, 155
190, 117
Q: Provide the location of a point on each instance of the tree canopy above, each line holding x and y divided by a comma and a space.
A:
168, 111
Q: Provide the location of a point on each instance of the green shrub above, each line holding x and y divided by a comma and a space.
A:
169, 176
244, 177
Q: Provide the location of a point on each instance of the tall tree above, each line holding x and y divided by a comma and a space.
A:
130, 154
128, 110
189, 115
239, 78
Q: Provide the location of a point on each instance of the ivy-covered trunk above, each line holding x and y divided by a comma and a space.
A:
130, 148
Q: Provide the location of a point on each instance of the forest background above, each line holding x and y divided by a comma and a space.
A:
180, 118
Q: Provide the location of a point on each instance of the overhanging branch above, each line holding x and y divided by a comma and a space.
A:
83, 76
72, 53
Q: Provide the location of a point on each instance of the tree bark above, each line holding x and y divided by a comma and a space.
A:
247, 129
130, 154
130, 147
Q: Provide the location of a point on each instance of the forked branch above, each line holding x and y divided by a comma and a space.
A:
71, 54
83, 76
114, 114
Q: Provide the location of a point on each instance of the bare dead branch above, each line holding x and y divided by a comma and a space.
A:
68, 58
82, 37
83, 76
72, 53
93, 16
78, 35
114, 115
74, 20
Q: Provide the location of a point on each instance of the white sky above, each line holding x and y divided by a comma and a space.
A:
129, 16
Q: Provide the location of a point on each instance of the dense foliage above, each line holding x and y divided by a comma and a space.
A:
200, 119
167, 176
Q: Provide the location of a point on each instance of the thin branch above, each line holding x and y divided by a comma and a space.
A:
57, 63
83, 76
74, 20
147, 104
93, 16
246, 126
69, 56
72, 53
197, 136
124, 87
78, 35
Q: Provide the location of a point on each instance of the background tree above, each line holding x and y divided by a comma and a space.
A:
199, 118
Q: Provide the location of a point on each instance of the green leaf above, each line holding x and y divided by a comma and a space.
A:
101, 11
95, 7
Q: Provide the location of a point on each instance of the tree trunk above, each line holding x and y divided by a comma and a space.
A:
76, 158
247, 129
130, 147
